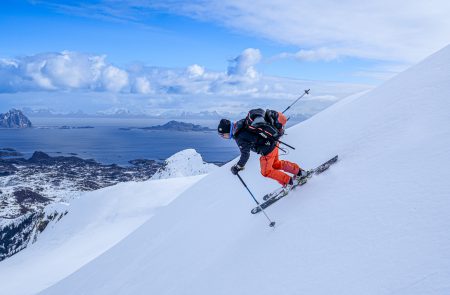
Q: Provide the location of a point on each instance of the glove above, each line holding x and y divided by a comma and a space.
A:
236, 168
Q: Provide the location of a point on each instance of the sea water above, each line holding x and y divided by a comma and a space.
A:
115, 141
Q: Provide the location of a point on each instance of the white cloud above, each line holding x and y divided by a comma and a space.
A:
8, 62
243, 64
141, 85
66, 70
70, 81
61, 71
97, 64
394, 30
114, 79
34, 70
72, 71
195, 71
241, 69
320, 54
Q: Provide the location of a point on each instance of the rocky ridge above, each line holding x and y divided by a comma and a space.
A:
14, 119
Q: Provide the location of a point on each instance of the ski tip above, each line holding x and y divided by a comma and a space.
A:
334, 159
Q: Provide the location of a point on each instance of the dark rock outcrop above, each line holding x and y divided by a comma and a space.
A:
27, 195
21, 231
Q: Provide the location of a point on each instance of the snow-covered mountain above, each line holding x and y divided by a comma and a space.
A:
377, 222
185, 163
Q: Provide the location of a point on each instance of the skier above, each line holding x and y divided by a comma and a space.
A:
248, 140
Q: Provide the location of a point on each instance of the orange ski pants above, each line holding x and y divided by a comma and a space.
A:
271, 166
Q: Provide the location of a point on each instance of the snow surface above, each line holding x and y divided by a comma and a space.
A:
95, 222
377, 222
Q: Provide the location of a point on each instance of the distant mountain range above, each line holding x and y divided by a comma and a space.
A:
174, 114
14, 119
125, 113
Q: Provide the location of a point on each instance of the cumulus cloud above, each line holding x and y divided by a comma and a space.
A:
36, 71
114, 79
243, 64
61, 71
64, 70
141, 87
71, 71
195, 71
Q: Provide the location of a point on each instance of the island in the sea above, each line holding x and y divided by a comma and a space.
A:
175, 126
14, 119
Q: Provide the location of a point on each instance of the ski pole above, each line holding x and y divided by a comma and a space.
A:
272, 223
306, 92
289, 146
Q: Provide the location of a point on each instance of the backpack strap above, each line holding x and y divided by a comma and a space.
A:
264, 133
238, 126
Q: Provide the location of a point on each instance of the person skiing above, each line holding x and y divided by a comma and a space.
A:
267, 146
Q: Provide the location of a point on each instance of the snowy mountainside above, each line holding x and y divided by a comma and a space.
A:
95, 222
377, 222
28, 186
184, 163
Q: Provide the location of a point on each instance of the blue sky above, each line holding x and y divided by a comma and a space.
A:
162, 39
349, 43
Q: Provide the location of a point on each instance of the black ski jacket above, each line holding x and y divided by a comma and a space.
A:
250, 141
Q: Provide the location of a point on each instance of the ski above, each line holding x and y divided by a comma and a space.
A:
280, 192
276, 195
325, 165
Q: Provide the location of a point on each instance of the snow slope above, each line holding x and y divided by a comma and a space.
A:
95, 222
377, 222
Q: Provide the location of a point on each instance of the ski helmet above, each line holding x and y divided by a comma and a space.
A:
224, 126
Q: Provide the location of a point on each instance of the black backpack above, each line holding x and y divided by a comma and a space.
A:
264, 123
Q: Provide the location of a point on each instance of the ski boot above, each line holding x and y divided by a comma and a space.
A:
288, 186
302, 176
